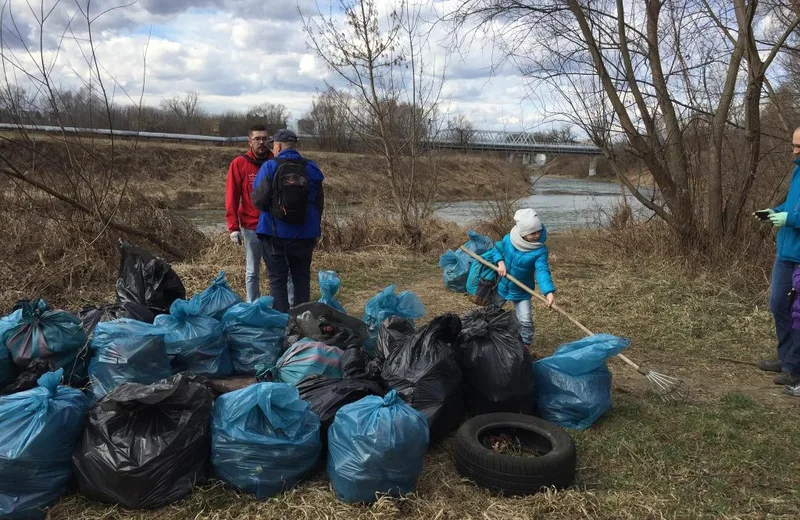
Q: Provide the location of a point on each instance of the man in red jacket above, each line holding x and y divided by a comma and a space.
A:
240, 214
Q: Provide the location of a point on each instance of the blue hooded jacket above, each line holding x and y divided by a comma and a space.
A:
789, 235
273, 227
526, 266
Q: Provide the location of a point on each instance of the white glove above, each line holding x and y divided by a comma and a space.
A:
236, 237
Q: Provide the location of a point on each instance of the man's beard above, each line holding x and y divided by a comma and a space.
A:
260, 151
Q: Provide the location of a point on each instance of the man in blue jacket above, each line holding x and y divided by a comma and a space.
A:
787, 218
288, 191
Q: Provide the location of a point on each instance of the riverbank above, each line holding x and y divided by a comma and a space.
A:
726, 453
577, 167
194, 177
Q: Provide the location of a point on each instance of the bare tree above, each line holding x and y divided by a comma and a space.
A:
392, 95
80, 182
460, 130
329, 121
650, 72
273, 116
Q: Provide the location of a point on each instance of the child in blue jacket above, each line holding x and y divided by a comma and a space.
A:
523, 255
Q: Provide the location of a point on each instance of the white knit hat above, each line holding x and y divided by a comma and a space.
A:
527, 221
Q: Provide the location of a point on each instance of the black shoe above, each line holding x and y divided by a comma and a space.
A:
770, 365
786, 379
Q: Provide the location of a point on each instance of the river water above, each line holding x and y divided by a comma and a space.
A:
562, 203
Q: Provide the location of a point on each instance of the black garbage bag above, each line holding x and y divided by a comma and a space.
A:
323, 323
29, 377
91, 315
327, 395
146, 446
147, 280
356, 363
426, 374
498, 370
394, 332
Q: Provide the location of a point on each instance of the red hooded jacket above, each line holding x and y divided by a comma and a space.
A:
239, 209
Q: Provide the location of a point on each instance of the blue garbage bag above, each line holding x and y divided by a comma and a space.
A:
265, 439
456, 264
376, 445
127, 351
194, 342
7, 370
38, 432
218, 297
255, 333
386, 304
329, 284
303, 359
478, 272
573, 386
54, 335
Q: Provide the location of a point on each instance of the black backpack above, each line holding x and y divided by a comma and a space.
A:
290, 191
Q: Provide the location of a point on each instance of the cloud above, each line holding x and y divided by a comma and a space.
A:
239, 53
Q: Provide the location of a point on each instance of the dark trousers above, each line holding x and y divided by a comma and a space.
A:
781, 309
281, 256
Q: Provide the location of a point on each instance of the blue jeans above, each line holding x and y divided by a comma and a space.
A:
782, 313
525, 317
252, 252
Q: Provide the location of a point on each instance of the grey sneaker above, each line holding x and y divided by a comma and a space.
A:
785, 378
770, 365
793, 390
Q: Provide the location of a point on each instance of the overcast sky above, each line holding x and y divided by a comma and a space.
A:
238, 53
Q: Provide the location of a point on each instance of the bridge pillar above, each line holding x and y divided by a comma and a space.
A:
510, 157
593, 166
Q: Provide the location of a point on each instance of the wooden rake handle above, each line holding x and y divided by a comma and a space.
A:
554, 307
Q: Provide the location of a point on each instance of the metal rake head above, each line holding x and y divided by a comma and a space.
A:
668, 388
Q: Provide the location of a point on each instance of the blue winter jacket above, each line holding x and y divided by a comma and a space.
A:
526, 266
789, 235
273, 227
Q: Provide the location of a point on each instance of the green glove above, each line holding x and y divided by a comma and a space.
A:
778, 219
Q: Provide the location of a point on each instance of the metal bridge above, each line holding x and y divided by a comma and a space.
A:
492, 140
480, 140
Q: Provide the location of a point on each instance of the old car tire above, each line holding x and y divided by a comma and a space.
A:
553, 466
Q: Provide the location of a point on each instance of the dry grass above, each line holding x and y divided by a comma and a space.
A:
70, 259
730, 452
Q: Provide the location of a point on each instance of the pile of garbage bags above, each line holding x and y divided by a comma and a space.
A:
369, 395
